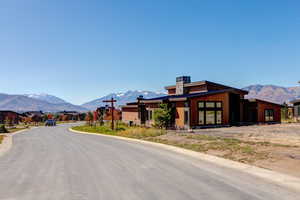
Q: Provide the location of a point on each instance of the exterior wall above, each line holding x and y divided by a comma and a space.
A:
150, 122
262, 106
198, 88
128, 117
172, 91
179, 118
223, 97
296, 110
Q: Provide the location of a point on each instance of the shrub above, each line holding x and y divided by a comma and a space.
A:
162, 116
3, 129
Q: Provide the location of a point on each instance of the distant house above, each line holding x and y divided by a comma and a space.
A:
130, 114
203, 104
33, 113
108, 114
36, 116
296, 108
69, 115
11, 116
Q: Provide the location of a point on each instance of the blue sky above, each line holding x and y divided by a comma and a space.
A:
81, 50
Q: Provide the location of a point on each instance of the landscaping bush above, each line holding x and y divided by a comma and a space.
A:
3, 129
162, 116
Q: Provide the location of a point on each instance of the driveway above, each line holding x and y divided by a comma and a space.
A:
51, 163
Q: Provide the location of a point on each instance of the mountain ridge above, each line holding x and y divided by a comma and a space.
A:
22, 103
122, 98
51, 103
273, 93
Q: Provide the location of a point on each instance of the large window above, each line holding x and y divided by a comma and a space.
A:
209, 112
269, 115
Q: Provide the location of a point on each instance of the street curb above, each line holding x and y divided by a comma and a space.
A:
7, 142
5, 145
275, 177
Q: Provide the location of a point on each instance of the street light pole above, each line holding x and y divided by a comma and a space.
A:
112, 100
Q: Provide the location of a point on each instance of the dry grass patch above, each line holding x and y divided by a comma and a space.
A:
124, 131
1, 138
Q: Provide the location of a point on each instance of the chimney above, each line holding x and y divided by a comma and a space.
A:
180, 81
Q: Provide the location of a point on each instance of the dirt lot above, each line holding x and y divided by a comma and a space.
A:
275, 147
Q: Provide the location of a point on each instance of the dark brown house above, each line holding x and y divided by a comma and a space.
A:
205, 104
9, 116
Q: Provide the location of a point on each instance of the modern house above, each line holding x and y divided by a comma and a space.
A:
203, 104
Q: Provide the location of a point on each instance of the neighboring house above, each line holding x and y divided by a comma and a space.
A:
108, 114
296, 108
69, 115
11, 116
36, 116
204, 104
130, 114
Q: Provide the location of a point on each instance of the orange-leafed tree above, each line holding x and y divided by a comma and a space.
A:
50, 116
89, 118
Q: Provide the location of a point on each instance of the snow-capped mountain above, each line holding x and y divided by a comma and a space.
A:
122, 98
46, 97
21, 103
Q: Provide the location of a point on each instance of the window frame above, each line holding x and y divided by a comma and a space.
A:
205, 109
267, 113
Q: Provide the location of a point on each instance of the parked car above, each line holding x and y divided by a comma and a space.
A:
50, 122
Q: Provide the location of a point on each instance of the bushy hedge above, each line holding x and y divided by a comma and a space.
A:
3, 129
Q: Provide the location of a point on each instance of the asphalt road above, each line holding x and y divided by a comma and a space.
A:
51, 163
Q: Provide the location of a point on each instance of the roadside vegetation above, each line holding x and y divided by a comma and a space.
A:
226, 147
1, 138
122, 130
272, 147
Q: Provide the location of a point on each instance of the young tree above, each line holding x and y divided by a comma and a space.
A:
100, 115
3, 129
45, 118
89, 118
162, 116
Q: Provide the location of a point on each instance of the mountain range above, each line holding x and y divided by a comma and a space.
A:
21, 103
273, 93
122, 98
50, 103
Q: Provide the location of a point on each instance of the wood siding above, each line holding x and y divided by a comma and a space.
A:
179, 118
262, 106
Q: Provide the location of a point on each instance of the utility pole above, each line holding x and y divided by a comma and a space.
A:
112, 101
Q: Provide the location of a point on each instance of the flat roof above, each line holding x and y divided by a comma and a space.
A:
295, 101
197, 83
264, 101
162, 98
